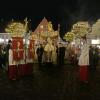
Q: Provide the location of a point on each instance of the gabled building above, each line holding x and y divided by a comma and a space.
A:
42, 26
43, 31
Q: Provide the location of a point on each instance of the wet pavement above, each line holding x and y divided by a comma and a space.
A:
51, 83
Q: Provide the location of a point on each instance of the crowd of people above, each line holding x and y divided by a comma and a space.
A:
61, 53
51, 53
87, 57
4, 52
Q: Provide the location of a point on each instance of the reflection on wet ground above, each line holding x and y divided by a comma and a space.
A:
51, 83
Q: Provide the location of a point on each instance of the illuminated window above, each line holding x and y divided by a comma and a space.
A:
95, 41
98, 46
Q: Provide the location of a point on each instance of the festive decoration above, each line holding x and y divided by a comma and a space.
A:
49, 32
81, 29
95, 30
50, 27
69, 36
17, 29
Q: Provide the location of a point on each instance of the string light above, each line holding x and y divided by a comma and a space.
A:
16, 29
81, 29
50, 32
69, 36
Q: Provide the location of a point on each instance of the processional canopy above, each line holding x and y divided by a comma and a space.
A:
17, 31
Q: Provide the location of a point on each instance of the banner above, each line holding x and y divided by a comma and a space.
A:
17, 47
31, 49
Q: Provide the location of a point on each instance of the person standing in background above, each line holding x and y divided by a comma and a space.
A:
60, 55
7, 53
1, 57
39, 52
96, 57
91, 58
84, 61
54, 54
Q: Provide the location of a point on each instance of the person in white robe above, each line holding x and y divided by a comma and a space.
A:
84, 62
12, 67
84, 56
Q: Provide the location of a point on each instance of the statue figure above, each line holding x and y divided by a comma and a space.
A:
26, 23
50, 28
48, 49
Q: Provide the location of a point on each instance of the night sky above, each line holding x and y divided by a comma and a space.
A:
63, 12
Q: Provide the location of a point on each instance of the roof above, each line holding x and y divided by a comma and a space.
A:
42, 26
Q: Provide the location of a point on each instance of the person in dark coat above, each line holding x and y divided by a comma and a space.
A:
1, 57
4, 57
96, 57
60, 55
39, 52
91, 58
7, 52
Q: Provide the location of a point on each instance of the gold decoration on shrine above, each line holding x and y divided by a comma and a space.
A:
81, 29
49, 32
17, 29
50, 27
69, 36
